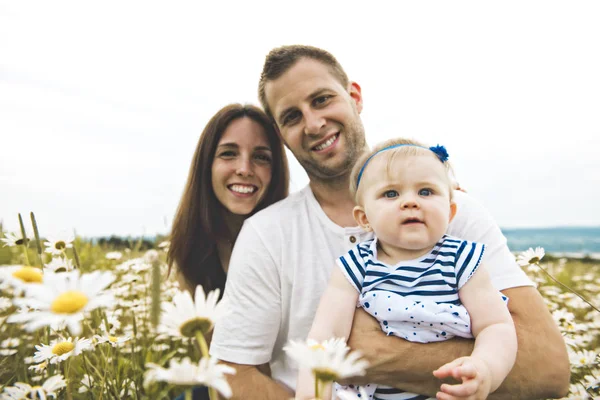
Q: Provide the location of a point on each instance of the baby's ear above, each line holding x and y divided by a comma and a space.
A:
361, 218
452, 211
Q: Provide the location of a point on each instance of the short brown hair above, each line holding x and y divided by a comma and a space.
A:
281, 59
415, 149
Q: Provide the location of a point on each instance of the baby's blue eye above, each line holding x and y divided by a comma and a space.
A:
390, 194
425, 192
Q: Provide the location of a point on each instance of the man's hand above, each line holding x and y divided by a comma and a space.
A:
474, 374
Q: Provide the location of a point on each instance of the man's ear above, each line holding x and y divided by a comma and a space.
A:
452, 211
361, 218
356, 95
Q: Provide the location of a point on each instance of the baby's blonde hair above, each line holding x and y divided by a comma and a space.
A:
415, 148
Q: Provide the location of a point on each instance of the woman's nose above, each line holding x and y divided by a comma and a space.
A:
244, 167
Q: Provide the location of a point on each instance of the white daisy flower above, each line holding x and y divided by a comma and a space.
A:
184, 317
207, 372
61, 349
5, 303
39, 367
11, 342
20, 277
60, 264
57, 244
8, 352
164, 245
113, 255
329, 360
583, 358
13, 239
65, 298
531, 256
563, 317
24, 391
114, 341
351, 395
577, 392
151, 256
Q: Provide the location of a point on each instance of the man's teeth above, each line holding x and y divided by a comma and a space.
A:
242, 189
326, 144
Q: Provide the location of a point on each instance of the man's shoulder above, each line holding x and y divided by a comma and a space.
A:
284, 211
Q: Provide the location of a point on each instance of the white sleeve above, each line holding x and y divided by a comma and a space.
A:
473, 222
253, 297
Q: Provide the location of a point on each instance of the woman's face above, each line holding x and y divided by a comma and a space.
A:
241, 169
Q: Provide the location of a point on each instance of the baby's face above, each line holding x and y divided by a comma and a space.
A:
406, 201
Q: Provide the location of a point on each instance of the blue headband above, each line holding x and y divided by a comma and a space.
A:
440, 152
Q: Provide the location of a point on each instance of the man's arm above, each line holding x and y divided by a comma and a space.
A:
541, 369
253, 382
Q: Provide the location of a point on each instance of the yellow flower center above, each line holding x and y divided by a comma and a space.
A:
113, 339
317, 346
191, 326
63, 347
60, 245
29, 275
325, 374
69, 302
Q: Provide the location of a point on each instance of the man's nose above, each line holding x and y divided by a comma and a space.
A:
314, 122
244, 167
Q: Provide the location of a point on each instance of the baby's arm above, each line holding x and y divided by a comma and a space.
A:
495, 343
333, 319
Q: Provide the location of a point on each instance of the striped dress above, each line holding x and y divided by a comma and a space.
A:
416, 300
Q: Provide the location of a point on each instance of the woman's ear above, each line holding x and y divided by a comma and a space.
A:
452, 211
361, 218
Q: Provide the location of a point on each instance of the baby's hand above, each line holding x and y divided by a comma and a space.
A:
474, 374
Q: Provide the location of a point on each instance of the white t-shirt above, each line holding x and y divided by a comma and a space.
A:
281, 264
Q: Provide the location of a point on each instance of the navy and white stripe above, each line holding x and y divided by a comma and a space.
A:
436, 276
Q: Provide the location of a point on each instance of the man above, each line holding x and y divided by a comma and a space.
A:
283, 256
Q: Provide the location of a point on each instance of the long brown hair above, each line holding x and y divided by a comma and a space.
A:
199, 221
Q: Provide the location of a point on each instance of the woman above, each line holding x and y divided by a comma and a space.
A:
239, 168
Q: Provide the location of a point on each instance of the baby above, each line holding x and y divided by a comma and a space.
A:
419, 283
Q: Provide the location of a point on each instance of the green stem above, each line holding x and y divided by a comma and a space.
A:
38, 243
317, 394
568, 288
212, 393
202, 344
188, 394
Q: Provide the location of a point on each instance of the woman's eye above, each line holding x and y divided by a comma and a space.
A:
227, 154
390, 194
425, 192
263, 158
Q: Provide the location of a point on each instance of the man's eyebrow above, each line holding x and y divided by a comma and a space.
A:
311, 96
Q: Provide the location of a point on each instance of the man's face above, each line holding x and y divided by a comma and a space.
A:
318, 119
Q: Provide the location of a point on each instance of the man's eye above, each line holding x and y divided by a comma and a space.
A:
290, 118
319, 101
425, 192
390, 194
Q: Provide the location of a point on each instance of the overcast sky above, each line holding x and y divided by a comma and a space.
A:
101, 105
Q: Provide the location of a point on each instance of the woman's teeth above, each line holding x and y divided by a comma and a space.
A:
242, 189
326, 144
